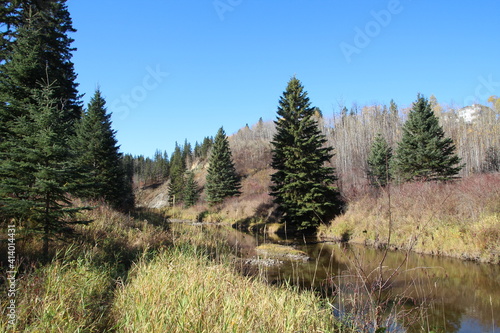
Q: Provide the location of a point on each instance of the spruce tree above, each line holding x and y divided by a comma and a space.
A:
177, 171
424, 153
379, 162
222, 180
191, 194
393, 109
160, 166
36, 172
302, 183
97, 152
41, 49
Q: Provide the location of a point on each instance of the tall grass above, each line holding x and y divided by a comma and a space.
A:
74, 291
183, 291
64, 296
127, 274
460, 219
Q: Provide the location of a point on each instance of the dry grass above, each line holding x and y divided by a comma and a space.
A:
65, 296
183, 291
130, 275
73, 292
254, 202
459, 219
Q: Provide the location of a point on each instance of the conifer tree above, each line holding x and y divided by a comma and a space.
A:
222, 180
41, 49
36, 172
302, 183
160, 166
97, 152
177, 171
191, 194
393, 108
187, 154
424, 153
379, 162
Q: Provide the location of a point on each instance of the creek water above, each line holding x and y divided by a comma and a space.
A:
455, 295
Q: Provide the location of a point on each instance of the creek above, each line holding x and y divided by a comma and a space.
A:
455, 295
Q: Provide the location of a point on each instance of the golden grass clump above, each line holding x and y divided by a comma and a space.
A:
64, 296
183, 291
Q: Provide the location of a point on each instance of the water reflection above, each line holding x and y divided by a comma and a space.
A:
462, 296
459, 296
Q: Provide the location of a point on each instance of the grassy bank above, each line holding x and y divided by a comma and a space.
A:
460, 219
127, 274
184, 291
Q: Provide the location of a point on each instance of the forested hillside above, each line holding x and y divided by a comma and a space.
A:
351, 133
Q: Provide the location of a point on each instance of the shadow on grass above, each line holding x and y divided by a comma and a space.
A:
111, 244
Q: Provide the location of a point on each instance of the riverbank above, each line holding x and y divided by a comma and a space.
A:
143, 274
460, 219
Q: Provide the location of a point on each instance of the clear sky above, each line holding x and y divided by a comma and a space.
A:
179, 69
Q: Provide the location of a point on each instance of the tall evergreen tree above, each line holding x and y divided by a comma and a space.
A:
191, 194
187, 154
393, 108
36, 171
160, 166
98, 153
177, 171
35, 51
41, 49
424, 153
379, 162
222, 180
302, 184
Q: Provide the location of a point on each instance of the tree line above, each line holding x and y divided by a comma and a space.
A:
52, 149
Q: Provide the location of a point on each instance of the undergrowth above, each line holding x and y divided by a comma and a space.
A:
460, 219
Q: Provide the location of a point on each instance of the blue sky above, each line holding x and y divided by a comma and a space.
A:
179, 69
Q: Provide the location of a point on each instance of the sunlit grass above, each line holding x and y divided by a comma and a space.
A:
64, 296
128, 275
183, 291
461, 219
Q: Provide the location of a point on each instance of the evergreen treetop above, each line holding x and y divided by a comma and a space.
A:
41, 49
302, 182
379, 162
98, 154
424, 153
222, 179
